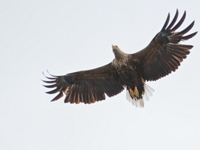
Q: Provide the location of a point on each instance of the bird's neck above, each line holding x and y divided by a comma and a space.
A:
119, 54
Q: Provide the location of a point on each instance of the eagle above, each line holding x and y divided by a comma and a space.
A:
162, 56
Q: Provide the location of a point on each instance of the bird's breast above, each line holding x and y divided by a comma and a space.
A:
118, 63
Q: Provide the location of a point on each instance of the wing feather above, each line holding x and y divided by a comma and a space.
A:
166, 22
173, 21
164, 53
180, 22
86, 86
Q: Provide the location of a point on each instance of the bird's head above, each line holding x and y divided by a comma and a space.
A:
118, 53
114, 47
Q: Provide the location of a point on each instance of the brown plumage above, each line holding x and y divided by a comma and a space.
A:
162, 56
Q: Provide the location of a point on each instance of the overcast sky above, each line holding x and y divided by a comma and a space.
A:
64, 36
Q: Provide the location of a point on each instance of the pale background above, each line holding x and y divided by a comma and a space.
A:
66, 36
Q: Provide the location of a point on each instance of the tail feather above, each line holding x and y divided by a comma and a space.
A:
139, 102
148, 91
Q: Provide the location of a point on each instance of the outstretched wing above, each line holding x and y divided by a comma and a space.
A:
164, 53
86, 86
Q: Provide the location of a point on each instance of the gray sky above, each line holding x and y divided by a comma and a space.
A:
66, 36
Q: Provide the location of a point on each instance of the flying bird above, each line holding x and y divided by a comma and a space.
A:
162, 56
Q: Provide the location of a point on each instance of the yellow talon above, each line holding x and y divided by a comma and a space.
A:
134, 93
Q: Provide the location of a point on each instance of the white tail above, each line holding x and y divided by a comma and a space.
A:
140, 102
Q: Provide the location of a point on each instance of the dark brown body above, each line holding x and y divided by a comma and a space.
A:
129, 71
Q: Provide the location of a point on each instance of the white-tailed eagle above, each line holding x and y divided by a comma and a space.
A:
130, 71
